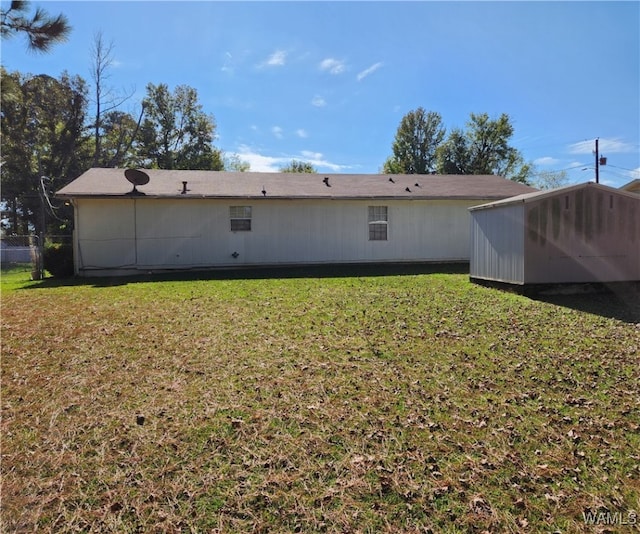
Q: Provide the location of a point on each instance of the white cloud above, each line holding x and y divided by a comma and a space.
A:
262, 163
370, 70
546, 160
629, 174
311, 155
227, 66
302, 133
610, 146
317, 159
333, 66
318, 101
277, 59
277, 131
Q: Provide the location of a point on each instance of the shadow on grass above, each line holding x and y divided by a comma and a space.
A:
249, 273
617, 301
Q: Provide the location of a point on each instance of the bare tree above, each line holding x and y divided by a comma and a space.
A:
550, 179
106, 100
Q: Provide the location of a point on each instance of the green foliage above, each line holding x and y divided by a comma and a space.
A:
43, 134
233, 162
176, 133
58, 259
453, 154
119, 143
42, 31
420, 147
299, 166
414, 147
483, 148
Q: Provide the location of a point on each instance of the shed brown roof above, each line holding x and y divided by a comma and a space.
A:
99, 182
549, 193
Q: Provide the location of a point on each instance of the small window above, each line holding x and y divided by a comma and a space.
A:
378, 223
610, 202
240, 217
566, 202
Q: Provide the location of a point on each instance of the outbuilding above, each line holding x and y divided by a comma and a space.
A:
585, 233
206, 219
632, 187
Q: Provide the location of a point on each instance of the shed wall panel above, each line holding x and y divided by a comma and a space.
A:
586, 235
497, 244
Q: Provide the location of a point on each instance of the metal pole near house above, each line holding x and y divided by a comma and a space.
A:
38, 269
597, 164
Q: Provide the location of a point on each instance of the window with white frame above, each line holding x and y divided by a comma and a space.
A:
240, 217
378, 223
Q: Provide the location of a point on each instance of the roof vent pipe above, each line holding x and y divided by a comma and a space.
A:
184, 188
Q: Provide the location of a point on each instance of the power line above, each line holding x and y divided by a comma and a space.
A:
623, 168
582, 165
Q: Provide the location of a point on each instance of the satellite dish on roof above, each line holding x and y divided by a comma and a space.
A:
136, 177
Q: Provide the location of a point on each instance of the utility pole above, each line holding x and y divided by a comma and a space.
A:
597, 164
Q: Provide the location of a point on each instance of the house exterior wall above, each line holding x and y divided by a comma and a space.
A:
497, 244
582, 235
137, 233
104, 236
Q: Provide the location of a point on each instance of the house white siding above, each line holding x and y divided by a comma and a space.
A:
137, 233
105, 235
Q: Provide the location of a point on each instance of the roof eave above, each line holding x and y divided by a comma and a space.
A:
276, 197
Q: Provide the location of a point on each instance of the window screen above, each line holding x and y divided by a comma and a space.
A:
240, 217
378, 223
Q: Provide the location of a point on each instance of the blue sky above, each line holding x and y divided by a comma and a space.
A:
329, 82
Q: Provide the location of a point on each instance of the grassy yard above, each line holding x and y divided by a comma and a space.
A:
363, 401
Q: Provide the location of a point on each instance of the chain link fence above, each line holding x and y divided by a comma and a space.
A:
25, 252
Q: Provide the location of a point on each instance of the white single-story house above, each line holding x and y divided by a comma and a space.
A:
585, 233
208, 219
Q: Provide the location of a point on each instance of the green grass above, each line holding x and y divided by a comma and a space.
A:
404, 400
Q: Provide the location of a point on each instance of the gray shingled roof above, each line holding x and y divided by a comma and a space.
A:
213, 184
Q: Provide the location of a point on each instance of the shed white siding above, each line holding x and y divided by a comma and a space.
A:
579, 234
586, 234
497, 244
127, 234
